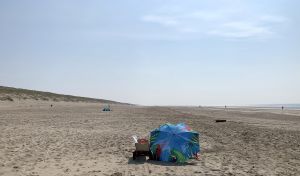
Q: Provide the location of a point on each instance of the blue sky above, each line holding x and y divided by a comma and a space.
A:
192, 52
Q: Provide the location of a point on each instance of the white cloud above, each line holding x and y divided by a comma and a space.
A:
275, 19
227, 23
241, 30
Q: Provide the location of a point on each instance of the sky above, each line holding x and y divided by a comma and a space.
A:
158, 52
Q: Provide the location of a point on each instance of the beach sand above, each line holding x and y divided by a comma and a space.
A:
80, 139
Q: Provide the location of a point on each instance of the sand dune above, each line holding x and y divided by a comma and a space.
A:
12, 94
79, 139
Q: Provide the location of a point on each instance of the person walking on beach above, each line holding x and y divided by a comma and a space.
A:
282, 108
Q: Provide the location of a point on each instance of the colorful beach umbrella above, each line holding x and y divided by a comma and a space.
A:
174, 143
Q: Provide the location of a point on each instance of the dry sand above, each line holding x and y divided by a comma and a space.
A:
80, 139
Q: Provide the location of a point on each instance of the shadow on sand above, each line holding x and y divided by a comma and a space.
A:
143, 160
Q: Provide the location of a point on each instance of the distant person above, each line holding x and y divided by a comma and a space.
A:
282, 108
225, 107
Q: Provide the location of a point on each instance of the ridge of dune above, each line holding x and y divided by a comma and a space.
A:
13, 94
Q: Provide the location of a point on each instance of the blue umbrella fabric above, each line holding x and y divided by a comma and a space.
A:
174, 143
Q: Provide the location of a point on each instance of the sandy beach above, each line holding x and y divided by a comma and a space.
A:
80, 139
83, 84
